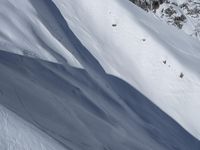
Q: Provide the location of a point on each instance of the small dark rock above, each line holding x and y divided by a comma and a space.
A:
181, 75
174, 3
114, 25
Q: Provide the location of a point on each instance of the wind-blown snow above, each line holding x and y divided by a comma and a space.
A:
104, 49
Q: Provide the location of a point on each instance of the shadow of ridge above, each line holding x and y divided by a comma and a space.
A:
153, 116
156, 123
68, 38
26, 67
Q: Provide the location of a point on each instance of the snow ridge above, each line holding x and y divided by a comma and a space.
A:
110, 60
77, 112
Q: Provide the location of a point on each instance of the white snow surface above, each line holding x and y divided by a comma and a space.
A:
17, 134
133, 50
23, 32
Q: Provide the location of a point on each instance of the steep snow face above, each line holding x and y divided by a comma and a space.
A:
16, 134
67, 104
160, 61
115, 36
24, 31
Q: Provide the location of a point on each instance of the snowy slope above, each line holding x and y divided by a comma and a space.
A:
23, 32
84, 108
67, 104
16, 134
134, 51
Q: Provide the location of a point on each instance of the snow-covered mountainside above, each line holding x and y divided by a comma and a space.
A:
183, 14
136, 49
96, 74
28, 32
69, 106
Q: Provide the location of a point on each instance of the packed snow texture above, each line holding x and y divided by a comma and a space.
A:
103, 49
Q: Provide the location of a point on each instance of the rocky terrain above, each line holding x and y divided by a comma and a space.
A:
183, 14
